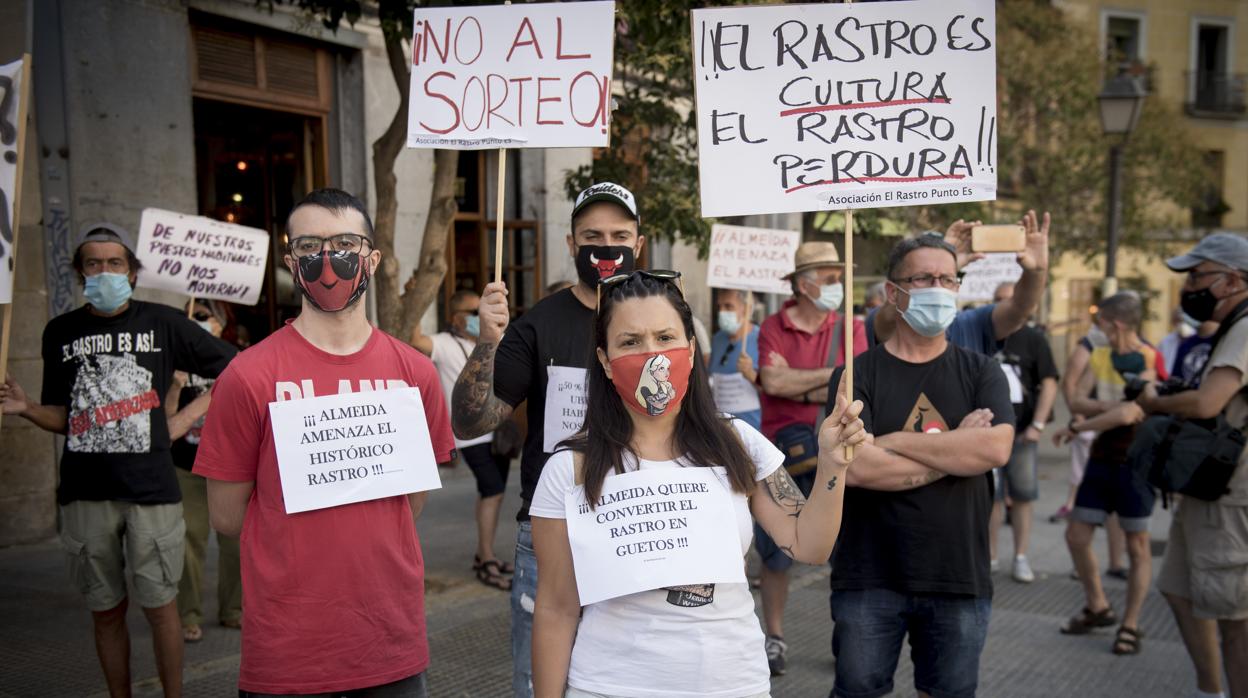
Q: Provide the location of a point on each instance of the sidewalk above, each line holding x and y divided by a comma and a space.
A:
46, 647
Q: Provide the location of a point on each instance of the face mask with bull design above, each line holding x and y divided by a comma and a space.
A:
332, 281
597, 262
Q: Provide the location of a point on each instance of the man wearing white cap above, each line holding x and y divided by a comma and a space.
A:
542, 360
105, 367
798, 348
1205, 568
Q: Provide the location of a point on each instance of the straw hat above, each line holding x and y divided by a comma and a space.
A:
811, 255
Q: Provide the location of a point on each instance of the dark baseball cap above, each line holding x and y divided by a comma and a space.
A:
607, 191
105, 232
1220, 248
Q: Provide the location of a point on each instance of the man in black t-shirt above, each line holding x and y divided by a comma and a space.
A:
106, 366
542, 361
914, 557
1031, 374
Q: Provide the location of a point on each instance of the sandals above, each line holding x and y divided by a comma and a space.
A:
1127, 641
192, 633
1089, 620
491, 574
506, 567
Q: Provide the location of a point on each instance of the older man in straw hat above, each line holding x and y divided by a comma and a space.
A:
798, 348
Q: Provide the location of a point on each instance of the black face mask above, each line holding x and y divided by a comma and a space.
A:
597, 262
1199, 305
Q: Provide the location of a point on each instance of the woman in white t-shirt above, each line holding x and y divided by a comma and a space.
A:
695, 639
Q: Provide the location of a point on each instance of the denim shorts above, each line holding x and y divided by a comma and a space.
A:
947, 635
1018, 476
1114, 488
774, 558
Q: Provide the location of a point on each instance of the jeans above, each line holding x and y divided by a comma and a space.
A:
947, 635
523, 596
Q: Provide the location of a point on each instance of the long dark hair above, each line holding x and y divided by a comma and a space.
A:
704, 438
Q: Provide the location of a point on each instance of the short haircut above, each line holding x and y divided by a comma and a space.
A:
807, 274
1124, 307
876, 290
335, 200
458, 298
903, 249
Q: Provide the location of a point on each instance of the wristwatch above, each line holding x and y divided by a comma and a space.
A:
1039, 426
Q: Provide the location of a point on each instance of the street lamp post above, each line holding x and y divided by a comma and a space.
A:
1121, 100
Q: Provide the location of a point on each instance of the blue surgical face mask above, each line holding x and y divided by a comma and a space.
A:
729, 322
106, 292
931, 310
830, 297
472, 326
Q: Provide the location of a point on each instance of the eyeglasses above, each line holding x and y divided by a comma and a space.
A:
671, 277
1194, 276
928, 281
309, 245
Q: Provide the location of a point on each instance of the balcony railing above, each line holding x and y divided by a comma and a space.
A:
1217, 94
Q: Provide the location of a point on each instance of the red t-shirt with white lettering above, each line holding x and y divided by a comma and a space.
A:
333, 599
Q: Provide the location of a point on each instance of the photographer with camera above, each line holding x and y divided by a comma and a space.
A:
1205, 573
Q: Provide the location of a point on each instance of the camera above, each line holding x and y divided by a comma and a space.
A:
1135, 386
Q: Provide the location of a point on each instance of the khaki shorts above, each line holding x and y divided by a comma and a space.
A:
103, 538
1207, 559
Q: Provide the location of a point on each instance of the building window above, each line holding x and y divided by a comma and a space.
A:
1124, 39
1213, 90
235, 62
1208, 211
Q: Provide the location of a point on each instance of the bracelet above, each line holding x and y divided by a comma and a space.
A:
1039, 426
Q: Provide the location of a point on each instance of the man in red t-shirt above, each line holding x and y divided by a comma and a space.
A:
333, 599
794, 348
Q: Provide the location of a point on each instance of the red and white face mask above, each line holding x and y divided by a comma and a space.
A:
332, 281
653, 385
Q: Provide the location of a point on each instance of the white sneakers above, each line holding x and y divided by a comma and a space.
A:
1022, 570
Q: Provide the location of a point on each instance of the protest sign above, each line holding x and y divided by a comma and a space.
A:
653, 528
751, 259
522, 75
830, 107
733, 393
14, 84
201, 257
567, 391
982, 277
352, 447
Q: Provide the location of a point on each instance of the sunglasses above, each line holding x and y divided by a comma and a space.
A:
671, 277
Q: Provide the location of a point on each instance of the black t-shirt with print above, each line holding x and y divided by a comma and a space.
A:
1027, 353
931, 539
185, 448
112, 374
555, 332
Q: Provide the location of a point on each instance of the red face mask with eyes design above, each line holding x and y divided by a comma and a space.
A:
653, 385
332, 281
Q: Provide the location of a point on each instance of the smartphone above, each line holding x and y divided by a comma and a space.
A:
998, 238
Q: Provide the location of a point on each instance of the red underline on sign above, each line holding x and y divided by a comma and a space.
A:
860, 180
862, 105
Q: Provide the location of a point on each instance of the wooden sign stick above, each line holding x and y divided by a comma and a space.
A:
6, 320
190, 308
849, 316
498, 215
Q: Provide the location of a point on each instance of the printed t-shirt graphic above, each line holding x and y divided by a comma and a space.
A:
341, 578
925, 418
111, 375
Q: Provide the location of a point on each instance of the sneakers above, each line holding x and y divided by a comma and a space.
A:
994, 566
1022, 570
776, 651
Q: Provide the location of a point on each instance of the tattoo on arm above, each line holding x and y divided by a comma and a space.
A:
784, 491
832, 483
475, 409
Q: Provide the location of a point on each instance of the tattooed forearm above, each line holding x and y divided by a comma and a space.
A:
832, 483
784, 491
932, 476
475, 410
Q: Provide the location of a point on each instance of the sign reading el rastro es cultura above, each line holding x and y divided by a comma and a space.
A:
840, 106
201, 257
352, 447
518, 76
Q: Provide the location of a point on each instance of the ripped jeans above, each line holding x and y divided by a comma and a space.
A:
523, 596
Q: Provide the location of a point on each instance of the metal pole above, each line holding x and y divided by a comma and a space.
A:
1110, 286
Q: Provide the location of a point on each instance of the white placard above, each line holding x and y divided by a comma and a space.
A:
514, 76
840, 106
733, 393
654, 528
983, 276
567, 391
352, 447
201, 257
751, 259
12, 136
